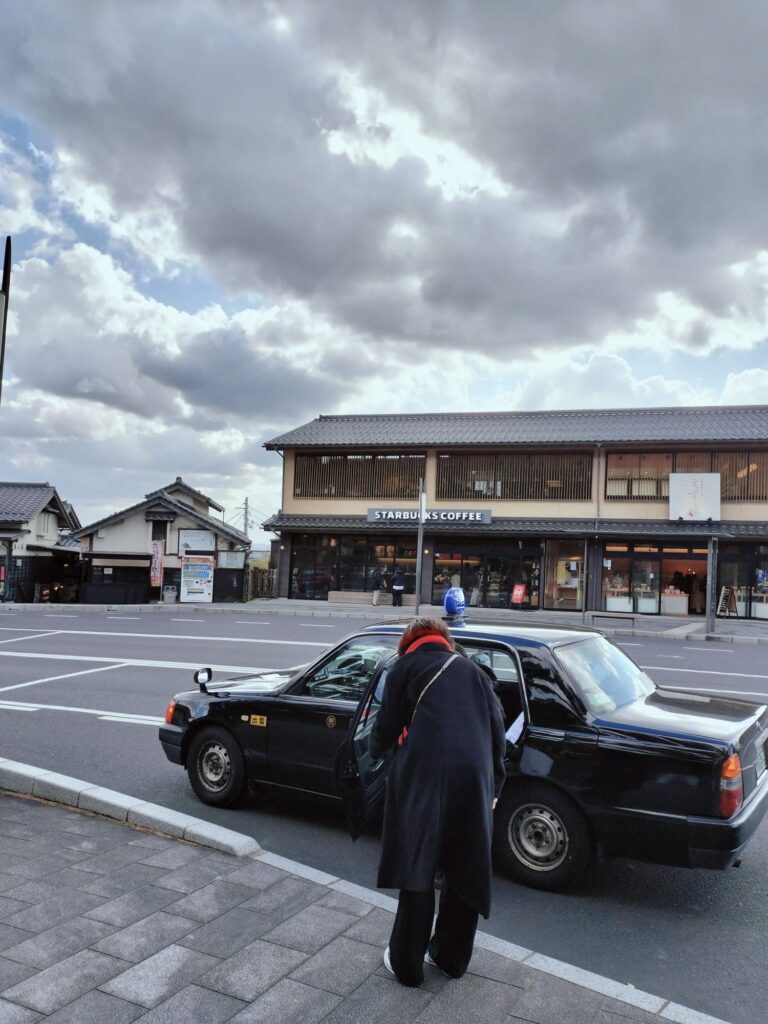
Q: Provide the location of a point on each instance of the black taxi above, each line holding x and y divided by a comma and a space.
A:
597, 754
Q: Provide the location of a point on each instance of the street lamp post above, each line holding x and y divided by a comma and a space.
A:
5, 289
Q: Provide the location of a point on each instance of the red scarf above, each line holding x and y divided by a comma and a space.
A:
428, 638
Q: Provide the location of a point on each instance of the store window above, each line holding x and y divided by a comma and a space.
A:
352, 558
617, 596
564, 575
516, 476
359, 475
760, 584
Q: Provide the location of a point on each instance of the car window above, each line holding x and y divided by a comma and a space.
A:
548, 698
372, 705
506, 676
606, 677
347, 672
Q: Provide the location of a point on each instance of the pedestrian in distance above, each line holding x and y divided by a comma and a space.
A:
440, 714
378, 583
398, 586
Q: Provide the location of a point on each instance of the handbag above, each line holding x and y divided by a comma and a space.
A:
435, 677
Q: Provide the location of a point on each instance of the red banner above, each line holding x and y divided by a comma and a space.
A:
518, 593
156, 565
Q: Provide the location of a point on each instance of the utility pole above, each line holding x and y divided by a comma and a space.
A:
5, 290
420, 542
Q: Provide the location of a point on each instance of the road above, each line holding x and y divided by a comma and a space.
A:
82, 693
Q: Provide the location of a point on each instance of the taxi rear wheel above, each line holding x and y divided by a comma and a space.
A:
541, 838
216, 767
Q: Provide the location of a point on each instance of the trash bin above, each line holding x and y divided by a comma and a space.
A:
169, 595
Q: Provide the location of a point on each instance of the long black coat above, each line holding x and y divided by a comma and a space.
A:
442, 780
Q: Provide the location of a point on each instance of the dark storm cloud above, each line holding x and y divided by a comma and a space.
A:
632, 136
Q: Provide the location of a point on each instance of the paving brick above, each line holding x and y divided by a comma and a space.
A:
227, 934
120, 882
41, 865
148, 936
475, 1000
11, 973
195, 1005
197, 874
375, 928
35, 892
613, 1011
256, 874
288, 1002
48, 947
340, 966
310, 929
549, 999
174, 857
10, 906
286, 898
499, 968
346, 904
11, 936
381, 1001
112, 860
159, 976
252, 970
152, 842
53, 988
12, 1013
96, 1008
43, 916
132, 906
210, 901
8, 881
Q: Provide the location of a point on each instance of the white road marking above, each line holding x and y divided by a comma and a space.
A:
188, 619
133, 618
663, 668
679, 657
68, 675
315, 625
624, 643
107, 716
140, 662
183, 636
709, 650
247, 622
50, 615
37, 636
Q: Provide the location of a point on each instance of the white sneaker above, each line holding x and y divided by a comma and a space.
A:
387, 961
433, 963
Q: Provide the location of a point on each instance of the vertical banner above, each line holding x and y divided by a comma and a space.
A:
156, 565
196, 579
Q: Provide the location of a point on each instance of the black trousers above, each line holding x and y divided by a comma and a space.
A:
397, 598
450, 946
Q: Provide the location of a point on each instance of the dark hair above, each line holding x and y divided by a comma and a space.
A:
423, 626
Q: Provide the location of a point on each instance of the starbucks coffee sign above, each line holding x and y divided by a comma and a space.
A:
432, 515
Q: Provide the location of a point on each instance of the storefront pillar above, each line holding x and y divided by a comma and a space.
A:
284, 567
594, 580
711, 607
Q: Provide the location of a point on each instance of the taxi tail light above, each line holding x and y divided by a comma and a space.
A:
169, 712
731, 786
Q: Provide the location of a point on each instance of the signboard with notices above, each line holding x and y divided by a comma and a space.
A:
196, 579
230, 559
694, 497
196, 540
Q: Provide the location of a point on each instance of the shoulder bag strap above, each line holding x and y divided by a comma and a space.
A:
434, 678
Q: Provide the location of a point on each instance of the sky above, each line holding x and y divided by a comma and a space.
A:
230, 217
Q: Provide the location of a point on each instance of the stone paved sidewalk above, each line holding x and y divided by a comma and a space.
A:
101, 923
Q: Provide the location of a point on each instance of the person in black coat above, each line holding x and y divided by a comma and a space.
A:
440, 709
398, 586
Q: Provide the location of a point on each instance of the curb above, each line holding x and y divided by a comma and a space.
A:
21, 779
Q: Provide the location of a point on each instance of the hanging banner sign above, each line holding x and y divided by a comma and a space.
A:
196, 579
431, 515
157, 550
196, 540
518, 593
694, 497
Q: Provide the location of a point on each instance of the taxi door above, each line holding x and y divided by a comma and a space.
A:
361, 778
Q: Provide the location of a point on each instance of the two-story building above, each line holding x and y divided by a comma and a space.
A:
34, 565
169, 539
614, 510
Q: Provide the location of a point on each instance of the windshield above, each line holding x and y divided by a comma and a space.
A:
605, 676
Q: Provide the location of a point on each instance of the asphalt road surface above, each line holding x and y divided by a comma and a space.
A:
82, 693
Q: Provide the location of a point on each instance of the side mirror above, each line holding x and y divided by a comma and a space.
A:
203, 676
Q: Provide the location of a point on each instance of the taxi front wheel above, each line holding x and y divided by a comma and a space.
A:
216, 767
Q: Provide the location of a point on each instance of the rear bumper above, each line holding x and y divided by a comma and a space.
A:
694, 842
171, 737
713, 843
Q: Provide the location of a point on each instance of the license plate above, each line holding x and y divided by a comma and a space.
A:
760, 759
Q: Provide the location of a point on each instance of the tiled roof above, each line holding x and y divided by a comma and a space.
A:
696, 424
20, 502
515, 527
179, 507
181, 485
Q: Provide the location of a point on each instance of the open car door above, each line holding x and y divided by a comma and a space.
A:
361, 778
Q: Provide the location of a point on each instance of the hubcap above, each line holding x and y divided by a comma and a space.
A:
538, 837
214, 766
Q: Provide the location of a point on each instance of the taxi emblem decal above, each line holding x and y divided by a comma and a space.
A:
260, 720
331, 721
